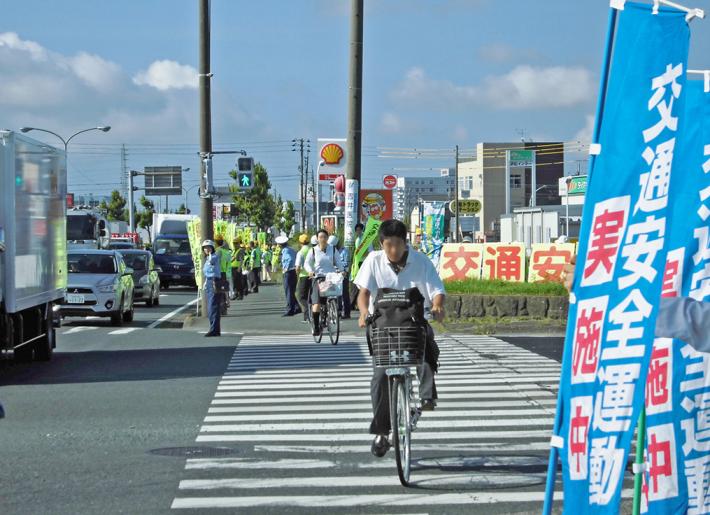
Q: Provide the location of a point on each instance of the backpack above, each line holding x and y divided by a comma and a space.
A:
403, 308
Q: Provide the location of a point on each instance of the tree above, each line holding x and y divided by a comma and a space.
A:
255, 206
116, 208
145, 217
289, 218
182, 210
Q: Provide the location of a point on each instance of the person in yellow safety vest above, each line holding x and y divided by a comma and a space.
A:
224, 260
276, 258
266, 264
237, 277
246, 268
304, 283
255, 267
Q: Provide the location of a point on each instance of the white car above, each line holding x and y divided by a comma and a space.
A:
99, 284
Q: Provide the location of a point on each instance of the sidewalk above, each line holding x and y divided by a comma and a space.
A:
260, 313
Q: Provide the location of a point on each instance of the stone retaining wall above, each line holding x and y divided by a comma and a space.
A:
473, 306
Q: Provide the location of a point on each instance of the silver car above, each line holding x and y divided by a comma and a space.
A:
145, 275
99, 284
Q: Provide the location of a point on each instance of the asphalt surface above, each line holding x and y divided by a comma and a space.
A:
120, 421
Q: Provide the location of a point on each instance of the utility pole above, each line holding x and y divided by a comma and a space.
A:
131, 224
354, 142
124, 170
303, 190
206, 222
456, 195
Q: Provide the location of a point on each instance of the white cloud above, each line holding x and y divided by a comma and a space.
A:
390, 123
584, 134
10, 40
95, 71
524, 87
527, 87
166, 74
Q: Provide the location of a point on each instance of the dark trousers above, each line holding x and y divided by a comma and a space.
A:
237, 281
213, 307
253, 280
257, 277
344, 303
379, 391
302, 291
290, 292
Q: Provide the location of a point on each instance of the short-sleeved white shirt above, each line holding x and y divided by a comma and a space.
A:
376, 272
320, 263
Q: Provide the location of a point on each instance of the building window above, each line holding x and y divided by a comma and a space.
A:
516, 181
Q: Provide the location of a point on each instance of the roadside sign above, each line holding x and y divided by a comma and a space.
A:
389, 182
521, 157
163, 180
328, 177
468, 207
577, 185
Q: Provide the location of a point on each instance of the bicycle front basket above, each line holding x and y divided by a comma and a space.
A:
397, 347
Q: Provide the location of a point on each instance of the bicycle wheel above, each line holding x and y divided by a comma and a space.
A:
333, 321
400, 418
311, 323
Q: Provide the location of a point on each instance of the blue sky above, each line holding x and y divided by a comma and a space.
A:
437, 73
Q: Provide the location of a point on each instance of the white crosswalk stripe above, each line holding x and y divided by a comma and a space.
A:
297, 414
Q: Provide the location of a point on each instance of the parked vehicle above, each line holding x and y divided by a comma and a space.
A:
171, 249
87, 229
33, 273
145, 276
99, 284
121, 245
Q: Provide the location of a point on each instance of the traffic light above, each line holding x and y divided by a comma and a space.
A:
245, 173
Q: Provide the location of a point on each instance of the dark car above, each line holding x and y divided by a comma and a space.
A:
145, 275
173, 255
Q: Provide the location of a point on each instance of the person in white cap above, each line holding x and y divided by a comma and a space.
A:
212, 275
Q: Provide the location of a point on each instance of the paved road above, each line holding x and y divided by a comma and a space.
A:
268, 423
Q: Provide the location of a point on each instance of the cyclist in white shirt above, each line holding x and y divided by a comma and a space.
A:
400, 267
320, 260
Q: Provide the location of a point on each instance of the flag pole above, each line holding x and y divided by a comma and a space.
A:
606, 65
638, 465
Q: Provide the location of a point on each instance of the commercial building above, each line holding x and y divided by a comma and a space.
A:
484, 178
411, 190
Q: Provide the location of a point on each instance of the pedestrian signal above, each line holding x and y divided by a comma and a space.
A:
245, 173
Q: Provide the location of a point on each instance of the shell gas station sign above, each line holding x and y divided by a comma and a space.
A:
331, 152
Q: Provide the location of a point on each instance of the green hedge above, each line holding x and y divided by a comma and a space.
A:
497, 287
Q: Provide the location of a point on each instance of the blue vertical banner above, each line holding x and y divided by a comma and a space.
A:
433, 229
621, 256
677, 454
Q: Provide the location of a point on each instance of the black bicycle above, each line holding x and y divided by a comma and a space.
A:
329, 314
399, 350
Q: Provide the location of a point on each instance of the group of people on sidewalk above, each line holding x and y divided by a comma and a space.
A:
233, 273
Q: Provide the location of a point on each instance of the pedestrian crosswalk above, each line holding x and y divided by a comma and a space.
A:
296, 415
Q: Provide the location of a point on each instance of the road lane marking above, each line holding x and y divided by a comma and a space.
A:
172, 314
371, 500
365, 437
80, 329
125, 330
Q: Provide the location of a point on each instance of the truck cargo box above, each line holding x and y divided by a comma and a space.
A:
33, 191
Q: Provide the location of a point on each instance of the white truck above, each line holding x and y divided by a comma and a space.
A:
33, 246
87, 229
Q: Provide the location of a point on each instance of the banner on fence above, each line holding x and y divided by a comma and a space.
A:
621, 256
504, 261
460, 261
547, 260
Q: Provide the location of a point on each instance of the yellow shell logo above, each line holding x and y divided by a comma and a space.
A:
332, 154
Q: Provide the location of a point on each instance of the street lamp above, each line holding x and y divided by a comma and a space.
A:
533, 195
102, 128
